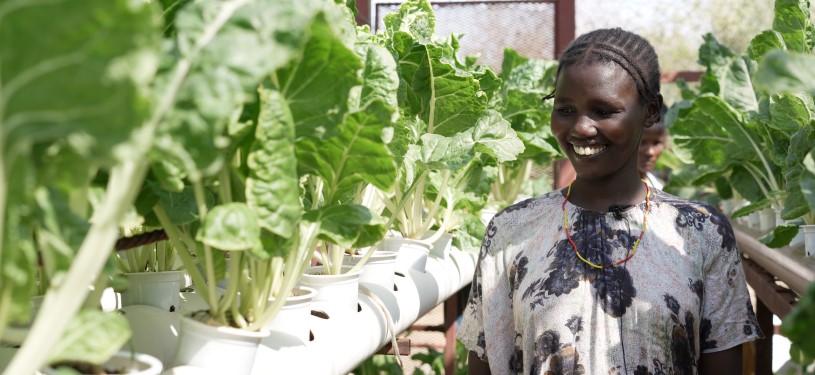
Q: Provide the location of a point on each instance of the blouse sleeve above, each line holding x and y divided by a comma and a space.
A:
487, 327
728, 318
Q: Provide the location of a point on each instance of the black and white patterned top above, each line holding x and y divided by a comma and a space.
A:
535, 308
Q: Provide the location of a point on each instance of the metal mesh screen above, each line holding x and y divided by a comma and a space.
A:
490, 26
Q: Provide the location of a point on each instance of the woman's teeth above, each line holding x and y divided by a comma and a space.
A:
587, 151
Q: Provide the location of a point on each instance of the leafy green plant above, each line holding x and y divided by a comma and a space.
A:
72, 107
736, 130
444, 125
524, 83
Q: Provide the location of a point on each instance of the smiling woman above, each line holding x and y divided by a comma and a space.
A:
634, 280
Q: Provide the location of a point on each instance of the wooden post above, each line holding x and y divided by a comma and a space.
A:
764, 347
564, 25
363, 12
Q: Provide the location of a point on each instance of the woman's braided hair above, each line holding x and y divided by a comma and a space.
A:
628, 50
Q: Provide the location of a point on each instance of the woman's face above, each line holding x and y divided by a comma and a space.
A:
651, 146
598, 118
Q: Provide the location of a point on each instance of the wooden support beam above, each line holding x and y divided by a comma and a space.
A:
777, 299
764, 347
402, 344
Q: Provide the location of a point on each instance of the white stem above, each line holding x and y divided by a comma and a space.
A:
64, 299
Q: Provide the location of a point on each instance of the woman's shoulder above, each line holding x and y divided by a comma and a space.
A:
685, 205
530, 207
696, 218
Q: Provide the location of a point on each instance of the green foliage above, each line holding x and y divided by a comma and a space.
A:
92, 337
799, 324
759, 115
436, 360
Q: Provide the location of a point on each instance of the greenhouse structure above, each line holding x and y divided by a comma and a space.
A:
337, 187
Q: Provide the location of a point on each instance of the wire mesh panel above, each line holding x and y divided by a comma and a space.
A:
490, 26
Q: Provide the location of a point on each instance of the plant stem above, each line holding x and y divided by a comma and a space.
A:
174, 235
209, 262
63, 300
233, 279
296, 262
5, 306
432, 210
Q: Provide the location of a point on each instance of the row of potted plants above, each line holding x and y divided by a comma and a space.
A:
749, 132
745, 139
251, 132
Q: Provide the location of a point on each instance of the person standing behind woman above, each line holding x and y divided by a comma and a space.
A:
633, 280
652, 145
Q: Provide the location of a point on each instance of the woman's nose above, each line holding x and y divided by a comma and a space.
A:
584, 127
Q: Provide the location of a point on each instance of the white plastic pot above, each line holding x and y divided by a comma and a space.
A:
127, 363
766, 220
223, 350
293, 317
441, 248
411, 254
809, 239
338, 290
378, 269
159, 289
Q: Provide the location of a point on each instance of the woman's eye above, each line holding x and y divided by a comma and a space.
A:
564, 111
605, 112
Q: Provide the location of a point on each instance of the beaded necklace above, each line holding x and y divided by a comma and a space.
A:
636, 243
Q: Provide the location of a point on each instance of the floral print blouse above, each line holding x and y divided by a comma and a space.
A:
535, 308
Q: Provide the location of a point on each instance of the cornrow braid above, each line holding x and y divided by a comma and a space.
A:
628, 50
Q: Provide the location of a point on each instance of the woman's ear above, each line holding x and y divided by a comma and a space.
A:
654, 111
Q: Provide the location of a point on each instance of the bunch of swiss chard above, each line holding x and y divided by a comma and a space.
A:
742, 137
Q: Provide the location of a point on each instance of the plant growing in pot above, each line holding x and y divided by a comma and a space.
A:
740, 102
150, 274
524, 82
58, 135
444, 124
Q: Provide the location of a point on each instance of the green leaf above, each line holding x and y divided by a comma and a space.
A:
753, 207
318, 83
799, 324
790, 112
229, 47
92, 336
745, 183
380, 81
511, 60
808, 180
494, 136
791, 21
181, 207
273, 186
356, 153
85, 84
230, 227
781, 71
780, 236
445, 98
470, 233
348, 225
764, 42
711, 132
414, 17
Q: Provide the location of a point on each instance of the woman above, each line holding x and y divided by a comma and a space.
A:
632, 280
653, 143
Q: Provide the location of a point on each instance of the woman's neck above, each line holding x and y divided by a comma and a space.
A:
599, 195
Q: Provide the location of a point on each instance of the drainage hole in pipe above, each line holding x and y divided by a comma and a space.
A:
399, 274
359, 307
395, 288
310, 335
319, 314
